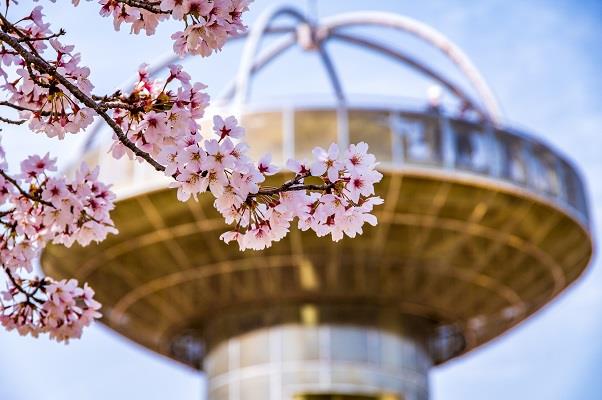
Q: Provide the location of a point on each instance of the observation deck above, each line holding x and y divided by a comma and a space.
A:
482, 226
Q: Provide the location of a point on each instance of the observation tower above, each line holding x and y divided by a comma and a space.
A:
482, 226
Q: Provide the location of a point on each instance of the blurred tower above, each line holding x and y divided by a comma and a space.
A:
482, 225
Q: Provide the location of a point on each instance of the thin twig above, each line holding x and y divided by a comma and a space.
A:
61, 32
285, 188
23, 192
12, 121
118, 104
32, 58
152, 6
43, 66
15, 106
20, 288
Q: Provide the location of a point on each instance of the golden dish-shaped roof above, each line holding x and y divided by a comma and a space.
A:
459, 244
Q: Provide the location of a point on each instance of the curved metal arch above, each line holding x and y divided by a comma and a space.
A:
252, 46
269, 55
406, 59
164, 62
426, 33
278, 48
328, 29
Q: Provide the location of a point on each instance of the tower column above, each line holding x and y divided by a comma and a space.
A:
315, 360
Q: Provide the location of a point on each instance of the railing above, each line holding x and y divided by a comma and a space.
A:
421, 139
401, 138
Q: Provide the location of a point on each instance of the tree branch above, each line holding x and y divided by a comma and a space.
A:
43, 66
15, 106
152, 6
61, 32
21, 288
118, 104
101, 104
286, 188
23, 192
12, 121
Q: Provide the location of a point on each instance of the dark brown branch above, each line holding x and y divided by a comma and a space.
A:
118, 104
285, 188
21, 108
152, 6
111, 97
44, 67
23, 192
15, 106
12, 121
293, 185
21, 288
106, 102
61, 32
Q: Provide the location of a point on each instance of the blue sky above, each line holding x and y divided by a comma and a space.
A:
543, 60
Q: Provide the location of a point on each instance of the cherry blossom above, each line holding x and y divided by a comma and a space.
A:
207, 23
60, 308
227, 127
156, 121
266, 167
42, 101
37, 209
327, 162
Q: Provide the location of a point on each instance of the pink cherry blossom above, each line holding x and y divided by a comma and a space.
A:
157, 121
298, 167
40, 209
219, 155
327, 162
362, 184
227, 127
358, 159
177, 7
266, 167
35, 165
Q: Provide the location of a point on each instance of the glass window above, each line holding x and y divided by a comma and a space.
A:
349, 344
544, 173
218, 360
330, 396
300, 344
421, 138
512, 157
373, 128
470, 147
390, 351
264, 135
314, 128
255, 388
220, 393
573, 189
254, 349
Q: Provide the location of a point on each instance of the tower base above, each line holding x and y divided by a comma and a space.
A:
311, 360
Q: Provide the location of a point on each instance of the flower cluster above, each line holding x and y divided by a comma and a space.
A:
163, 123
60, 308
40, 98
338, 205
156, 117
158, 123
208, 23
37, 209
